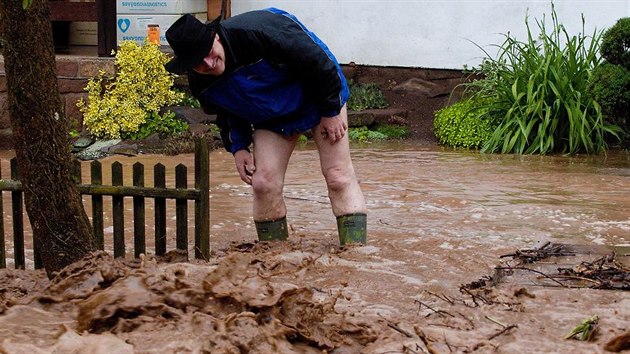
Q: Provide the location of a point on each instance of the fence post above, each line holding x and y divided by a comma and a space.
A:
18, 220
139, 236
181, 209
118, 210
96, 178
202, 206
159, 181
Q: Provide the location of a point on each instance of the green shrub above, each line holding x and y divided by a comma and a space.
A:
610, 86
119, 106
615, 47
463, 124
365, 96
363, 134
610, 82
187, 100
537, 90
392, 131
164, 125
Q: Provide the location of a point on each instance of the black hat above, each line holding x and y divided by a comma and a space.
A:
191, 41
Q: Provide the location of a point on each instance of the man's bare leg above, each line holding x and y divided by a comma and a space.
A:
271, 157
346, 197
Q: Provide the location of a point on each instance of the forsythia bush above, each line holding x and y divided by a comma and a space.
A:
119, 106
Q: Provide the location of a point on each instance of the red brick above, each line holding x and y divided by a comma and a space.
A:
67, 68
72, 85
92, 67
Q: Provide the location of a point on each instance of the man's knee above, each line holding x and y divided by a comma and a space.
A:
339, 179
265, 184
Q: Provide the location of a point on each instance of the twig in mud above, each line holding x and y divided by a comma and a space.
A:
504, 330
538, 253
425, 339
390, 225
574, 277
399, 330
474, 297
442, 297
533, 271
447, 344
420, 304
495, 321
319, 290
470, 321
406, 348
418, 347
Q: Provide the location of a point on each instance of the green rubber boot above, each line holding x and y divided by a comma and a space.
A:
352, 228
272, 230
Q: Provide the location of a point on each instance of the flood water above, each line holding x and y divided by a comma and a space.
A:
462, 199
438, 219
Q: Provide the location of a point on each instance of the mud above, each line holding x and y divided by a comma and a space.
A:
295, 297
439, 220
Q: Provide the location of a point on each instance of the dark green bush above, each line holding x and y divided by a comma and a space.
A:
610, 86
463, 125
609, 83
615, 47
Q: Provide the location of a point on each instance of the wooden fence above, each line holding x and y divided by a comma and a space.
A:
139, 193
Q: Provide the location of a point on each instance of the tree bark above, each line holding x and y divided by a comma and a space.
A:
61, 229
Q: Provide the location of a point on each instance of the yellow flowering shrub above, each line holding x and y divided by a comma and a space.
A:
119, 105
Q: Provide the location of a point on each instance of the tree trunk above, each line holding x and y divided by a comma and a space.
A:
61, 228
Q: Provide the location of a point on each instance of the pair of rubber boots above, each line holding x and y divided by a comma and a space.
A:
352, 228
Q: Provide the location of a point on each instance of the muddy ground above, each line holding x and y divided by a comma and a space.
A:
398, 294
302, 296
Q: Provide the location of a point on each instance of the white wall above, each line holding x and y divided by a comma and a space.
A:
433, 33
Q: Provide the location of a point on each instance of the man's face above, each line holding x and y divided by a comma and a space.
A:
214, 62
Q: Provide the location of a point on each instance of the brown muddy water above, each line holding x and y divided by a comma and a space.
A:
438, 219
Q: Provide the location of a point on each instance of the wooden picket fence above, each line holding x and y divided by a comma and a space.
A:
200, 194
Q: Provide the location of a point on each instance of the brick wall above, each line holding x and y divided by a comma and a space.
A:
73, 74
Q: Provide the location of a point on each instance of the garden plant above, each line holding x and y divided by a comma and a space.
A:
128, 105
535, 91
610, 81
459, 125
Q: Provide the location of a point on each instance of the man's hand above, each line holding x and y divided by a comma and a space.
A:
333, 129
245, 165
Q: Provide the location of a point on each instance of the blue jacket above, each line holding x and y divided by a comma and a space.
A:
279, 76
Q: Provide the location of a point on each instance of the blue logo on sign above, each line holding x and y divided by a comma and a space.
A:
123, 24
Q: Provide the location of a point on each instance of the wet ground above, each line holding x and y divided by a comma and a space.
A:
438, 219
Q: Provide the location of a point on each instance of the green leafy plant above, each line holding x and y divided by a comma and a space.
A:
537, 91
392, 131
463, 124
615, 47
610, 86
119, 106
188, 100
164, 125
365, 96
363, 134
609, 83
